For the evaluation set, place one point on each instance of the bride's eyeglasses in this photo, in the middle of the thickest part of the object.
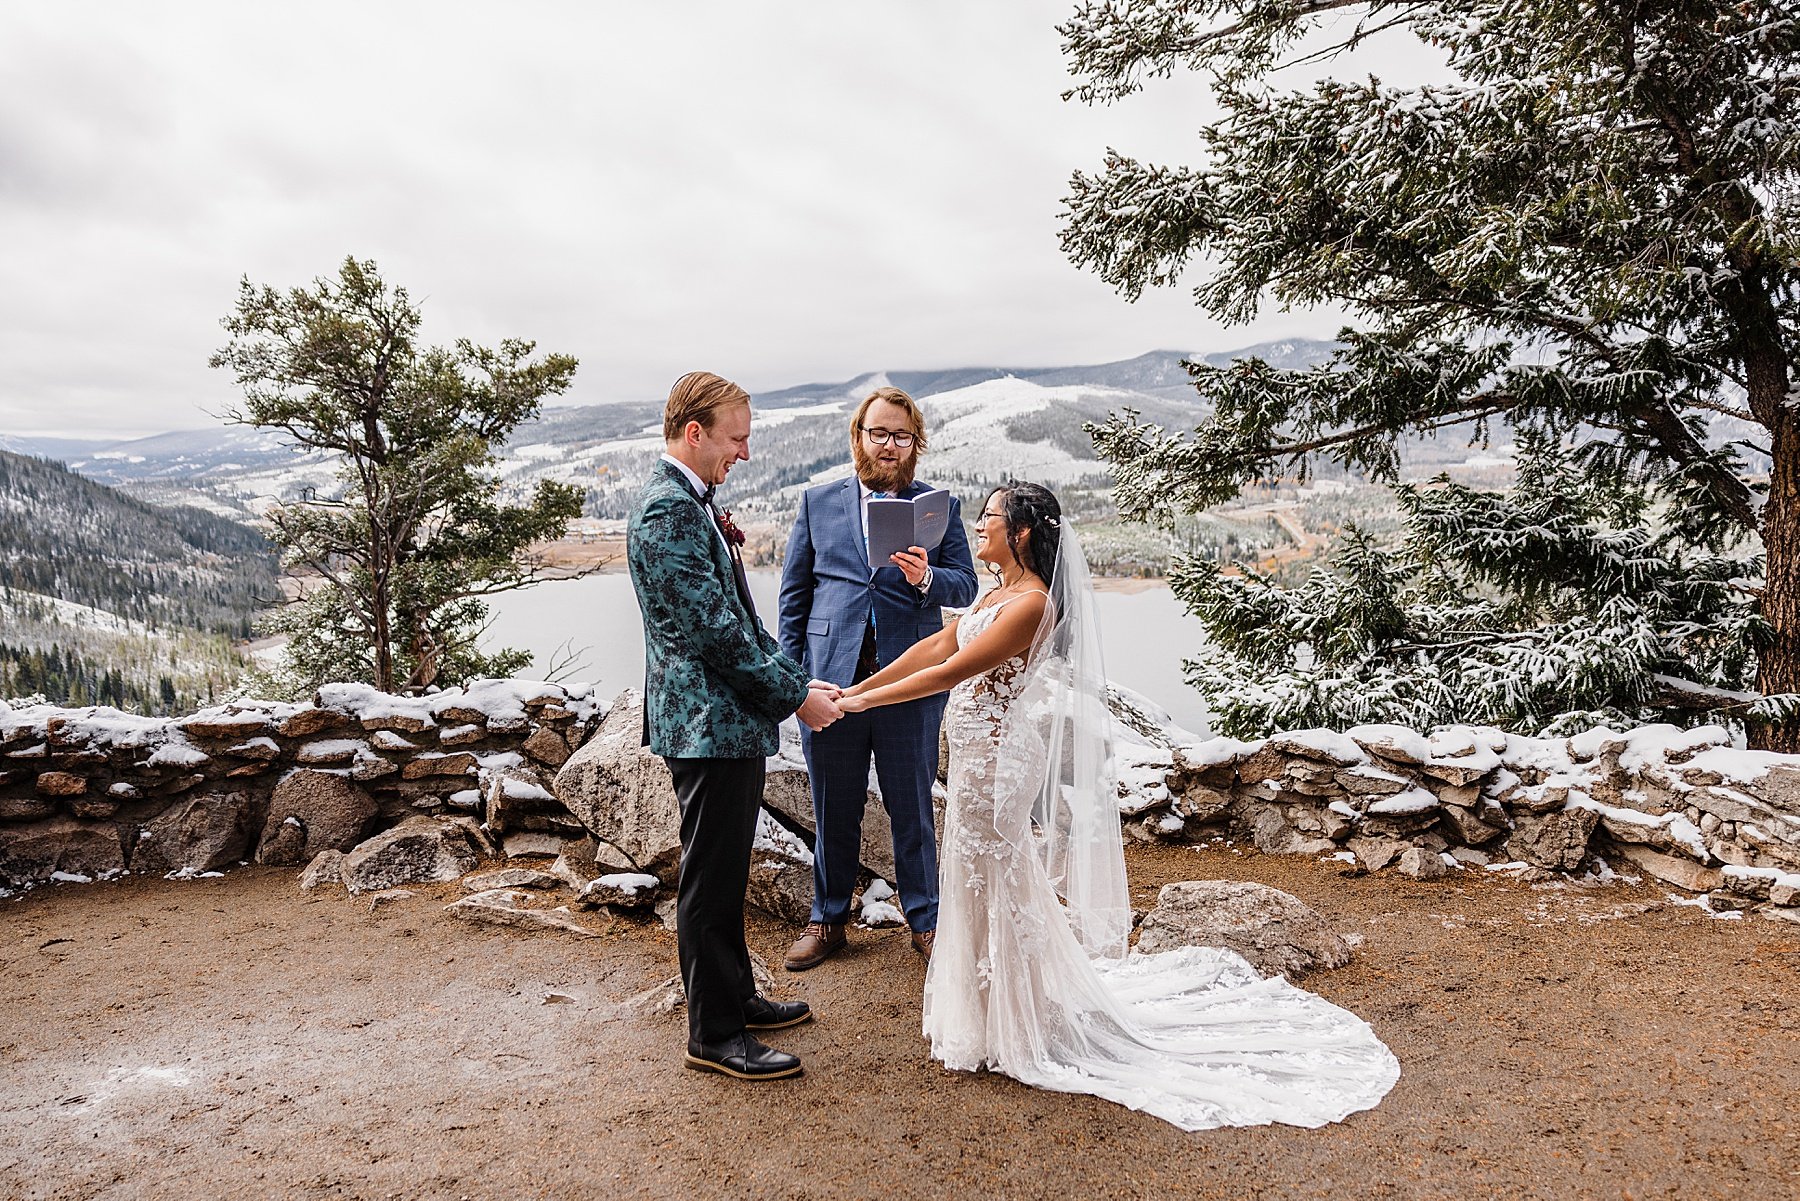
(881, 437)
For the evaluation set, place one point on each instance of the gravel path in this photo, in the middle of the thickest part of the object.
(235, 1036)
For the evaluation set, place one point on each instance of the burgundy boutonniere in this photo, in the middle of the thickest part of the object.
(733, 536)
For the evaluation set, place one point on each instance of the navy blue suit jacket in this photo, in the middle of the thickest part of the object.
(827, 591)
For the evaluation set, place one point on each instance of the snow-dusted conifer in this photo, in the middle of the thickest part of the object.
(1590, 236)
(1535, 611)
(398, 562)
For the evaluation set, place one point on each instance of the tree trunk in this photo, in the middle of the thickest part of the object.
(381, 569)
(1778, 663)
(1748, 301)
(384, 641)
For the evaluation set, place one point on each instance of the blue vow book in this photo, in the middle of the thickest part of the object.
(896, 523)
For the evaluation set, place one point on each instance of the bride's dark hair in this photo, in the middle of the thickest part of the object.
(1026, 506)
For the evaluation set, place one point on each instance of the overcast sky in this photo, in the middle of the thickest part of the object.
(780, 192)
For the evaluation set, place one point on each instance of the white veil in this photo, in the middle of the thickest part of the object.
(1056, 761)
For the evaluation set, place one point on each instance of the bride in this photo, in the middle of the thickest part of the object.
(1030, 974)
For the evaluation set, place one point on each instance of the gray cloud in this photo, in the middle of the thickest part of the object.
(778, 192)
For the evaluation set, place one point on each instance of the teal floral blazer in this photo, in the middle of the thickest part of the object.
(716, 685)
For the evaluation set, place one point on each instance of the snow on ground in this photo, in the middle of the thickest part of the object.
(969, 435)
(765, 418)
(629, 883)
(650, 439)
(85, 616)
(772, 836)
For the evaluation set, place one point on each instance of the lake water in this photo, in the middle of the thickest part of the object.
(1146, 634)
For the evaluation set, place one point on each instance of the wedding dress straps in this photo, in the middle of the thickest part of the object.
(1193, 1036)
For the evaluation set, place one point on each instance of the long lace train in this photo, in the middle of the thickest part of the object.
(1193, 1036)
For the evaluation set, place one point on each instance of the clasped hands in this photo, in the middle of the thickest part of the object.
(825, 703)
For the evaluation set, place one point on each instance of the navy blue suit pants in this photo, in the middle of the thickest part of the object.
(903, 742)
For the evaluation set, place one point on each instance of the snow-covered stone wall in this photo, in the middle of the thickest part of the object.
(1683, 806)
(90, 793)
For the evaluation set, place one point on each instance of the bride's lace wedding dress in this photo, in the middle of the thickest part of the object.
(1193, 1036)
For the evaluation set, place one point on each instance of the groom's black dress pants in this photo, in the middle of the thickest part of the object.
(719, 801)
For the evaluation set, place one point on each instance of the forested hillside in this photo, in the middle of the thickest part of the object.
(65, 536)
(107, 600)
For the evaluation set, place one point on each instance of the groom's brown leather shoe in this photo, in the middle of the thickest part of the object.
(821, 941)
(743, 1058)
(922, 940)
(760, 1013)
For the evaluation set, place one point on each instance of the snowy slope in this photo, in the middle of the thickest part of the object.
(988, 424)
(971, 439)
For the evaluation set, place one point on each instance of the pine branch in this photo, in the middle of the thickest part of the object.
(1478, 407)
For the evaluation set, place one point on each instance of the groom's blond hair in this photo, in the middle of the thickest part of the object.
(699, 396)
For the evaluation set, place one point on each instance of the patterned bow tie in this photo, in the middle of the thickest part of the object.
(706, 497)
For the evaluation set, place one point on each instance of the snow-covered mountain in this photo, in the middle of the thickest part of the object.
(65, 536)
(988, 424)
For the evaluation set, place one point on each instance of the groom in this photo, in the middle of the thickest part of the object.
(846, 623)
(715, 690)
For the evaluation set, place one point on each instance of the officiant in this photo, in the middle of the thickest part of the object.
(844, 621)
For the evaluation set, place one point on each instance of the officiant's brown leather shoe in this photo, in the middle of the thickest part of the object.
(821, 941)
(922, 940)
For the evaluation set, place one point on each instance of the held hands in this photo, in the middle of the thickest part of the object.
(912, 563)
(819, 709)
(827, 687)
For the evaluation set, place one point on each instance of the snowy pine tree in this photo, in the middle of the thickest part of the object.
(1547, 609)
(1589, 238)
(420, 534)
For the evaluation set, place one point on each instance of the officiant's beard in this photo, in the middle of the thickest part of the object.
(879, 476)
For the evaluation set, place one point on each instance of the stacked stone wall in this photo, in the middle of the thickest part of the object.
(89, 793)
(1682, 806)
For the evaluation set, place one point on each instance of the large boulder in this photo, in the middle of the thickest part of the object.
(584, 860)
(1423, 863)
(622, 793)
(420, 850)
(1276, 931)
(1556, 840)
(1674, 869)
(33, 853)
(205, 834)
(310, 812)
(510, 877)
(781, 873)
(326, 868)
(787, 793)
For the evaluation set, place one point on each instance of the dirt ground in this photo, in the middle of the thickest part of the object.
(238, 1037)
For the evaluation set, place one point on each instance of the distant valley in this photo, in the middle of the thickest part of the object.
(149, 551)
(108, 599)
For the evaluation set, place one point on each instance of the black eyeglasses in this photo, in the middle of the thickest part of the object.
(881, 437)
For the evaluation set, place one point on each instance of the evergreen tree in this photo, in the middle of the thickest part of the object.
(419, 533)
(1588, 236)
